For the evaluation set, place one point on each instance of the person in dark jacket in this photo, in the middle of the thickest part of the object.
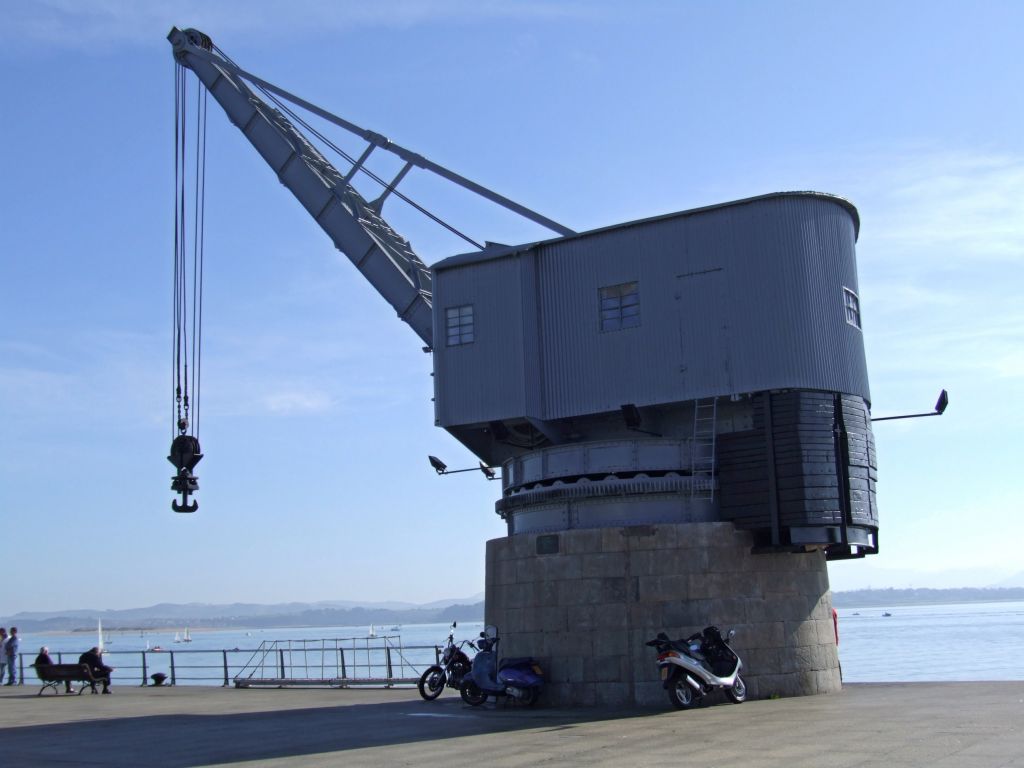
(99, 670)
(11, 649)
(44, 660)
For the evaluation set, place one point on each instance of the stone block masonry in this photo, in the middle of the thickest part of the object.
(586, 607)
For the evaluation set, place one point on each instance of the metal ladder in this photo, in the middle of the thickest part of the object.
(702, 449)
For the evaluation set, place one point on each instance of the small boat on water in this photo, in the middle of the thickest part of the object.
(887, 614)
(372, 632)
(187, 638)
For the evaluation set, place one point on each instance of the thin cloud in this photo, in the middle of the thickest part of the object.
(946, 207)
(85, 24)
(298, 401)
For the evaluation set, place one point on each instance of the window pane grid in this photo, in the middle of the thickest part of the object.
(620, 306)
(459, 324)
(852, 307)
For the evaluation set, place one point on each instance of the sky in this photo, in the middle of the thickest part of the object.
(316, 417)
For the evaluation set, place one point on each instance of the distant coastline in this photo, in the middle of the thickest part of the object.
(199, 617)
(867, 598)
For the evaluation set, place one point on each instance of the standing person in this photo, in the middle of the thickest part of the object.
(3, 654)
(835, 626)
(99, 670)
(11, 649)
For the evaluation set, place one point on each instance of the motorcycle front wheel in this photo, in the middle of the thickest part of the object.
(431, 683)
(471, 693)
(457, 673)
(681, 693)
(738, 692)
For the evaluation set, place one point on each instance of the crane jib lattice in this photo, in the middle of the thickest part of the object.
(354, 224)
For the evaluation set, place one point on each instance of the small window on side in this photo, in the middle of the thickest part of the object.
(459, 325)
(852, 307)
(620, 306)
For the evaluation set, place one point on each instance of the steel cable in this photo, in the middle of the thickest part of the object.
(281, 106)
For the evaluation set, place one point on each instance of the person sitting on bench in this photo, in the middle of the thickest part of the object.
(100, 671)
(44, 660)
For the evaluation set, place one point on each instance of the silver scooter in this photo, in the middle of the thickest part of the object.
(698, 665)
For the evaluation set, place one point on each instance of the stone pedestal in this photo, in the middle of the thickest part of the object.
(584, 602)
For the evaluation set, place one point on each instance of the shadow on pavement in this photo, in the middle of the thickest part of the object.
(179, 740)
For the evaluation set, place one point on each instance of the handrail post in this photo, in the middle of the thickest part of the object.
(344, 672)
(280, 661)
(225, 668)
(145, 677)
(174, 680)
(387, 659)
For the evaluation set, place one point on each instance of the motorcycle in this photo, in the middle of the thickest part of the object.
(702, 663)
(520, 679)
(452, 669)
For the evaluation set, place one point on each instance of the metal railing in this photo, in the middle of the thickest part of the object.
(381, 661)
(340, 662)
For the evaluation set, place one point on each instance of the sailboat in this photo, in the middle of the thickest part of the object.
(177, 637)
(373, 632)
(187, 638)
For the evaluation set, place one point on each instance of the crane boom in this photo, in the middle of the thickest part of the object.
(383, 256)
(356, 226)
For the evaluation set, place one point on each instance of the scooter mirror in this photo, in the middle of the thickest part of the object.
(732, 634)
(490, 632)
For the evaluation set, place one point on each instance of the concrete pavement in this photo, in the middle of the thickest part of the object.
(897, 726)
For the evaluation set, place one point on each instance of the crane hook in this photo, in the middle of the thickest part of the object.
(186, 486)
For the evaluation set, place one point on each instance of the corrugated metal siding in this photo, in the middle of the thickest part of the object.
(484, 380)
(588, 370)
(790, 324)
(733, 299)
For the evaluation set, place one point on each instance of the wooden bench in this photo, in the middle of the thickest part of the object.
(54, 674)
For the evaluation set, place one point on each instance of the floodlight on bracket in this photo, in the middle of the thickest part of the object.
(940, 408)
(631, 415)
(442, 469)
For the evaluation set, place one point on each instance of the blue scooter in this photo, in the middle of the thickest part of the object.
(520, 679)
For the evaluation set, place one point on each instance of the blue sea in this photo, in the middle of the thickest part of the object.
(965, 641)
(968, 641)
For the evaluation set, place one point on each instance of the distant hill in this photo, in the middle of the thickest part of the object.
(1017, 580)
(343, 613)
(251, 615)
(863, 598)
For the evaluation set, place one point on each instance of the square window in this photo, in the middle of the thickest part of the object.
(852, 307)
(459, 325)
(620, 306)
